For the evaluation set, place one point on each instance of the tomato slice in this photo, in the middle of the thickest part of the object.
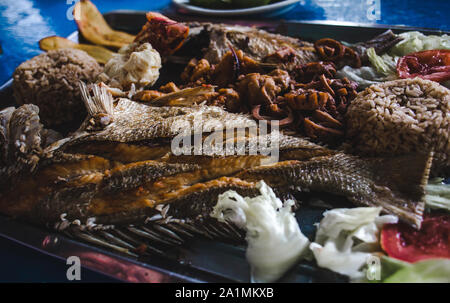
(403, 242)
(431, 65)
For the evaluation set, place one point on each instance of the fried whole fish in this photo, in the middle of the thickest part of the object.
(120, 169)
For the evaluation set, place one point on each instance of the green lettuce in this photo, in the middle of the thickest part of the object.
(416, 41)
(437, 194)
(427, 271)
(385, 64)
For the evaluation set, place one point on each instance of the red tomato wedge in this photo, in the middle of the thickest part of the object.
(403, 242)
(431, 65)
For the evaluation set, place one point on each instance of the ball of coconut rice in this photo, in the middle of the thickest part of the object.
(399, 117)
(50, 81)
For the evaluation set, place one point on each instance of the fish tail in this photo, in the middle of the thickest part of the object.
(408, 174)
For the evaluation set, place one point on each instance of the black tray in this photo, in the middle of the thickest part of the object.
(200, 260)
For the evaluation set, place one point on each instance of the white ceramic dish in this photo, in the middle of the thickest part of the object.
(270, 9)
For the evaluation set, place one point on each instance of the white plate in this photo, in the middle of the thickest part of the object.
(272, 9)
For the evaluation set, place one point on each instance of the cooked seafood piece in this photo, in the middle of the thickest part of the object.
(216, 40)
(64, 185)
(396, 184)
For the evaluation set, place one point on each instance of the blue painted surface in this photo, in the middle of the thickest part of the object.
(24, 22)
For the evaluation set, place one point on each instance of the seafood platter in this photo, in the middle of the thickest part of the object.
(161, 149)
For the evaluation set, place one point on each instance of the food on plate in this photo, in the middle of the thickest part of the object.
(275, 242)
(215, 41)
(437, 194)
(347, 238)
(122, 180)
(232, 145)
(308, 99)
(407, 244)
(427, 271)
(431, 65)
(95, 29)
(334, 51)
(50, 81)
(164, 34)
(383, 63)
(134, 64)
(101, 54)
(399, 117)
(354, 178)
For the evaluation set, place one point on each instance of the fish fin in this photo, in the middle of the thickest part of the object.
(408, 173)
(99, 105)
(407, 176)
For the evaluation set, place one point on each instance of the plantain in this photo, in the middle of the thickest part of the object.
(99, 53)
(94, 28)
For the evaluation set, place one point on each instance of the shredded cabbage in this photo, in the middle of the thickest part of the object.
(275, 242)
(364, 76)
(416, 41)
(385, 64)
(347, 237)
(437, 194)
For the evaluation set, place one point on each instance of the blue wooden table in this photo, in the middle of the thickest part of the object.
(24, 22)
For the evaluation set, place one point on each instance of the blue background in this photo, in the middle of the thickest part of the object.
(24, 22)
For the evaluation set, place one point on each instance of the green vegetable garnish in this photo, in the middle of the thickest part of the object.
(428, 271)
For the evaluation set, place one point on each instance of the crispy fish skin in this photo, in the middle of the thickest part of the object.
(52, 175)
(134, 122)
(88, 186)
(396, 184)
(77, 198)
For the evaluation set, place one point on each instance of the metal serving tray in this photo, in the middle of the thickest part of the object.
(200, 260)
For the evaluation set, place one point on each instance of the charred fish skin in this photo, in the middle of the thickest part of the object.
(396, 184)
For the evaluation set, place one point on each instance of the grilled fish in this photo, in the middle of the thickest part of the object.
(119, 169)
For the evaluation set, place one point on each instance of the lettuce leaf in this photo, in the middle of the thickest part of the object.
(427, 271)
(437, 194)
(385, 64)
(416, 41)
(275, 241)
(347, 237)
